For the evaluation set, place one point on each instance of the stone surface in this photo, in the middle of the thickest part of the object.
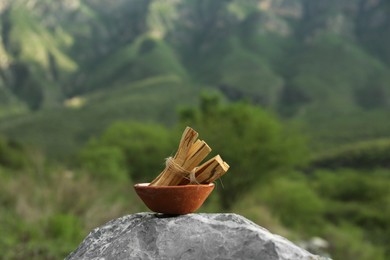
(192, 236)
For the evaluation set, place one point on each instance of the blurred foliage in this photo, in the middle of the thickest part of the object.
(315, 81)
(136, 60)
(12, 154)
(250, 132)
(360, 199)
(368, 154)
(154, 99)
(348, 208)
(294, 202)
(348, 242)
(105, 162)
(133, 148)
(68, 73)
(330, 133)
(45, 215)
(45, 209)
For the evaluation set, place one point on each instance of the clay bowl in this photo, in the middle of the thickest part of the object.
(174, 200)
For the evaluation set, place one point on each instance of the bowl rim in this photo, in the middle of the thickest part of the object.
(145, 185)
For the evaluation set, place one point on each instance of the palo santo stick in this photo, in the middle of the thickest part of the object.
(189, 154)
(211, 170)
(187, 139)
(181, 169)
(198, 152)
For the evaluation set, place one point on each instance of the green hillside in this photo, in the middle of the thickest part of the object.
(278, 56)
(281, 56)
(37, 62)
(62, 131)
(294, 94)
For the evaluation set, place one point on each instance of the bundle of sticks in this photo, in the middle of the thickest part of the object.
(183, 168)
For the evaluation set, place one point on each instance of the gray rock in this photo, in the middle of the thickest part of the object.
(192, 236)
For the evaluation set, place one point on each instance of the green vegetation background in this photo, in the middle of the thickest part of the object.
(294, 95)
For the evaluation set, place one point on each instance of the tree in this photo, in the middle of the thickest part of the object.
(138, 148)
(249, 139)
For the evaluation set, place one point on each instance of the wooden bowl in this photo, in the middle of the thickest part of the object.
(174, 200)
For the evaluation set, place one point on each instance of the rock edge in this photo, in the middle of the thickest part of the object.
(192, 236)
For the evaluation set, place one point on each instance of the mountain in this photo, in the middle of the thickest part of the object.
(84, 60)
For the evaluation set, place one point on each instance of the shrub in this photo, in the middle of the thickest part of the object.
(137, 148)
(359, 198)
(248, 138)
(295, 203)
(65, 227)
(348, 242)
(11, 154)
(104, 162)
(367, 155)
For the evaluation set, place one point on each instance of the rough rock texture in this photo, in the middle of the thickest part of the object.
(192, 236)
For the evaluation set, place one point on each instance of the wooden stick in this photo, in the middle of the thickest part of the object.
(186, 158)
(181, 169)
(187, 140)
(198, 152)
(211, 170)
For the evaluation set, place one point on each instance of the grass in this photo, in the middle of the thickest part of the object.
(46, 213)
